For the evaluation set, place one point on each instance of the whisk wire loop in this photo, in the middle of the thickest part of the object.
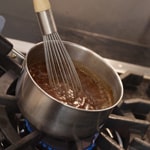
(61, 70)
(59, 65)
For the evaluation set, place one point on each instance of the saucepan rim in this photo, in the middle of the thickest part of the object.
(69, 106)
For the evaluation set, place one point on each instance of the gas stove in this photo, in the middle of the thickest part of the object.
(127, 128)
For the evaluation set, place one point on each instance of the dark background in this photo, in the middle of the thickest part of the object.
(115, 29)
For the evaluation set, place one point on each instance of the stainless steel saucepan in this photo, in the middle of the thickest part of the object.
(51, 116)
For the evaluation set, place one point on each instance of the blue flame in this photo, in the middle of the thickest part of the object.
(93, 144)
(28, 126)
(42, 143)
(48, 147)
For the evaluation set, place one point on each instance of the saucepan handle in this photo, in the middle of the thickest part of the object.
(6, 47)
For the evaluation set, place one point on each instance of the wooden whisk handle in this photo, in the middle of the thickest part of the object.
(41, 5)
(45, 17)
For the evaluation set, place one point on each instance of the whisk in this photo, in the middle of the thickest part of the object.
(60, 68)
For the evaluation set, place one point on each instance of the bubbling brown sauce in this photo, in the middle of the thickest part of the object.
(96, 93)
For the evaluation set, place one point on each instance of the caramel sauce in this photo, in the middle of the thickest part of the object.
(96, 93)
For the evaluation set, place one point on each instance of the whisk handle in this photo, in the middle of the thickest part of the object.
(45, 16)
(41, 5)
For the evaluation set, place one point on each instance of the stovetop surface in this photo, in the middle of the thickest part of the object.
(130, 120)
(119, 65)
(105, 46)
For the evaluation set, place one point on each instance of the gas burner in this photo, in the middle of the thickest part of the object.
(24, 128)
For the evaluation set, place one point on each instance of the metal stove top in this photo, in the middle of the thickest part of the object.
(119, 66)
(127, 128)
